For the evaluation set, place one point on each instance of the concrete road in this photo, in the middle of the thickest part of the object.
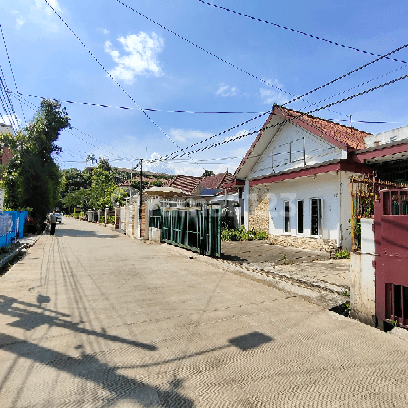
(90, 318)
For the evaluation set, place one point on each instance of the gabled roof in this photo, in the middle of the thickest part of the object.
(193, 185)
(213, 182)
(339, 135)
(185, 183)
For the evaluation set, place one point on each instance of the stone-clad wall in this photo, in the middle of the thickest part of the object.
(314, 244)
(258, 217)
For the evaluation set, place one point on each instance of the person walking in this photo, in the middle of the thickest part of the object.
(53, 222)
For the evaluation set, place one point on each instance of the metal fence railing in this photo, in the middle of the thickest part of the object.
(198, 229)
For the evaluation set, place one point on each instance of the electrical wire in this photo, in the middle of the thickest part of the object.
(110, 76)
(298, 31)
(33, 106)
(358, 86)
(129, 108)
(8, 105)
(303, 114)
(11, 69)
(301, 96)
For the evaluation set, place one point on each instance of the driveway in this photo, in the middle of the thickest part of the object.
(91, 318)
(293, 262)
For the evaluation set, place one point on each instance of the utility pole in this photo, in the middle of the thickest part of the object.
(140, 197)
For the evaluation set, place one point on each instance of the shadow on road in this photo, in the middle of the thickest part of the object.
(31, 319)
(89, 368)
(82, 234)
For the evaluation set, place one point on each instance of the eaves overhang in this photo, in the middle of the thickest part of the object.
(313, 170)
(381, 153)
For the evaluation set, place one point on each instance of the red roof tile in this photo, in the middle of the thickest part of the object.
(185, 183)
(193, 185)
(348, 135)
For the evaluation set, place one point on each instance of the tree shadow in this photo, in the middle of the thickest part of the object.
(89, 368)
(31, 319)
(59, 232)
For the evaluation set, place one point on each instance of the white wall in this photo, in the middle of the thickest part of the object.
(290, 138)
(387, 137)
(246, 204)
(324, 186)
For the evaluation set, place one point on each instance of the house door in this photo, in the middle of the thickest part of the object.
(391, 247)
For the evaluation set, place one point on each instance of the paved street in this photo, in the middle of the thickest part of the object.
(91, 318)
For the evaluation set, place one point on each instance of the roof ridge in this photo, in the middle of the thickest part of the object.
(322, 119)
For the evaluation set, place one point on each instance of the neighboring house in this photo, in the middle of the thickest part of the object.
(387, 154)
(295, 179)
(201, 187)
(6, 154)
(391, 136)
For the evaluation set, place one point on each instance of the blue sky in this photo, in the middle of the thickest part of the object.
(156, 69)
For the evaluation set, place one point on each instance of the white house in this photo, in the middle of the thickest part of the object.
(295, 178)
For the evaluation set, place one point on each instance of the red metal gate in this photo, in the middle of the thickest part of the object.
(391, 247)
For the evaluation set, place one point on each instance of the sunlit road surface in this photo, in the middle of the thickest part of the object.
(91, 318)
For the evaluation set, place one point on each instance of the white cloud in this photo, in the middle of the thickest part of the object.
(43, 6)
(19, 19)
(182, 135)
(236, 136)
(103, 30)
(19, 22)
(270, 96)
(142, 51)
(226, 90)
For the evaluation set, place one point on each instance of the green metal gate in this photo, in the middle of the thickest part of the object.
(198, 229)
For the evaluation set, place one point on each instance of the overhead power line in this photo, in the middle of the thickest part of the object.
(299, 32)
(111, 77)
(130, 108)
(11, 69)
(6, 102)
(35, 108)
(299, 97)
(289, 120)
(202, 49)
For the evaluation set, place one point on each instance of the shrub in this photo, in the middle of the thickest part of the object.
(342, 254)
(241, 234)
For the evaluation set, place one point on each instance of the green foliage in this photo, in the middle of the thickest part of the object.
(136, 185)
(77, 197)
(241, 234)
(207, 173)
(32, 179)
(157, 183)
(103, 190)
(110, 219)
(342, 254)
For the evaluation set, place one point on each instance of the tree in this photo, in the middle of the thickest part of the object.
(208, 173)
(32, 179)
(73, 181)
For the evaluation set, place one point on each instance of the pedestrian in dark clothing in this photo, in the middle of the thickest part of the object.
(53, 222)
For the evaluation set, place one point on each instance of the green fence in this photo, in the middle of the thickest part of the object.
(198, 229)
